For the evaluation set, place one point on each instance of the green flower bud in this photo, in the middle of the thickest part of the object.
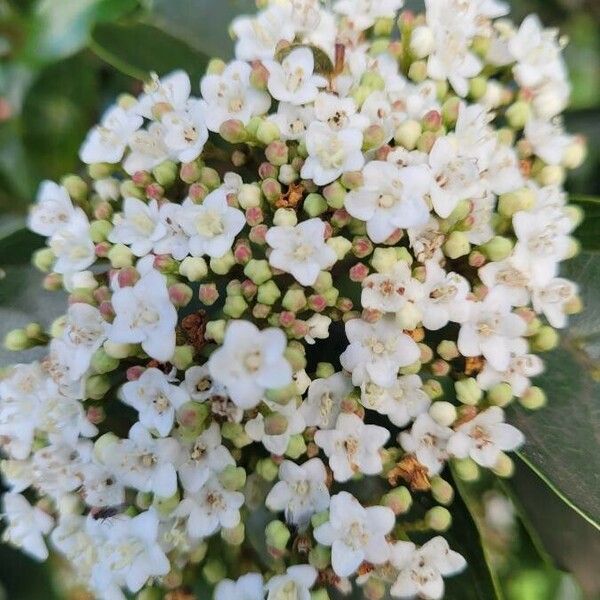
(319, 518)
(96, 387)
(324, 370)
(500, 395)
(120, 256)
(340, 245)
(232, 478)
(268, 293)
(18, 340)
(193, 268)
(235, 306)
(468, 391)
(384, 27)
(384, 259)
(314, 205)
(224, 264)
(118, 351)
(199, 553)
(215, 66)
(450, 111)
(373, 80)
(277, 535)
(319, 557)
(295, 356)
(399, 500)
(335, 194)
(234, 131)
(234, 432)
(76, 187)
(296, 447)
(408, 134)
(433, 389)
(165, 506)
(277, 153)
(324, 282)
(417, 72)
(478, 87)
(103, 363)
(267, 132)
(100, 170)
(551, 175)
(128, 188)
(457, 245)
(518, 114)
(210, 178)
(534, 398)
(444, 413)
(192, 417)
(498, 248)
(575, 154)
(214, 570)
(43, 260)
(104, 445)
(166, 173)
(282, 395)
(466, 469)
(360, 94)
(234, 536)
(513, 202)
(285, 217)
(331, 296)
(505, 467)
(215, 330)
(258, 271)
(352, 180)
(448, 350)
(149, 594)
(374, 137)
(438, 518)
(294, 300)
(99, 231)
(183, 357)
(249, 196)
(546, 339)
(442, 491)
(267, 469)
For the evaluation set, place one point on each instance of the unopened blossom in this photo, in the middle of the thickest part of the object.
(421, 570)
(294, 583)
(210, 508)
(144, 314)
(301, 250)
(324, 400)
(352, 447)
(377, 351)
(485, 437)
(247, 587)
(53, 209)
(355, 533)
(156, 399)
(138, 226)
(300, 492)
(390, 199)
(427, 440)
(250, 362)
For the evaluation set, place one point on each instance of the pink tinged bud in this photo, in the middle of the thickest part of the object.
(127, 277)
(180, 294)
(155, 191)
(249, 289)
(107, 311)
(297, 164)
(394, 238)
(101, 294)
(254, 216)
(242, 252)
(258, 234)
(396, 49)
(141, 178)
(261, 311)
(233, 131)
(101, 250)
(271, 188)
(166, 264)
(317, 303)
(300, 329)
(287, 318)
(277, 153)
(134, 373)
(527, 314)
(480, 292)
(382, 153)
(440, 368)
(477, 259)
(362, 246)
(95, 415)
(197, 192)
(344, 304)
(340, 218)
(432, 121)
(359, 272)
(208, 293)
(190, 172)
(53, 282)
(239, 158)
(259, 75)
(268, 171)
(352, 180)
(328, 230)
(103, 211)
(370, 315)
(406, 19)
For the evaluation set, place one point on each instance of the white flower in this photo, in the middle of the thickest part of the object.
(427, 441)
(155, 399)
(301, 250)
(444, 297)
(324, 400)
(339, 112)
(490, 331)
(148, 149)
(107, 141)
(100, 487)
(294, 80)
(72, 245)
(258, 36)
(143, 462)
(508, 278)
(548, 140)
(230, 96)
(186, 132)
(171, 92)
(364, 13)
(421, 569)
(377, 351)
(484, 437)
(401, 402)
(144, 314)
(210, 508)
(391, 198)
(205, 456)
(355, 533)
(247, 587)
(292, 121)
(294, 583)
(129, 554)
(318, 328)
(331, 153)
(454, 177)
(552, 300)
(200, 385)
(52, 210)
(26, 526)
(175, 240)
(301, 491)
(249, 362)
(389, 292)
(352, 447)
(212, 225)
(138, 226)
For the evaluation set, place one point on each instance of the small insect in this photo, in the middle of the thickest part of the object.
(106, 512)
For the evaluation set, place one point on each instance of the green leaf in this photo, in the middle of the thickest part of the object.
(562, 438)
(138, 49)
(201, 23)
(588, 233)
(61, 27)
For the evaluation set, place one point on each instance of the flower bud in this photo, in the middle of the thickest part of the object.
(249, 196)
(234, 536)
(314, 205)
(99, 231)
(277, 536)
(352, 180)
(468, 391)
(409, 316)
(232, 478)
(259, 76)
(120, 256)
(399, 500)
(285, 217)
(518, 114)
(340, 245)
(575, 154)
(180, 295)
(190, 172)
(267, 469)
(478, 87)
(534, 398)
(438, 518)
(384, 259)
(102, 363)
(18, 340)
(448, 350)
(505, 467)
(546, 339)
(442, 491)
(76, 187)
(513, 202)
(417, 71)
(271, 188)
(294, 300)
(258, 271)
(214, 571)
(408, 133)
(319, 557)
(215, 330)
(296, 447)
(183, 357)
(433, 389)
(457, 245)
(215, 66)
(277, 153)
(551, 175)
(193, 268)
(97, 386)
(233, 131)
(335, 194)
(118, 351)
(166, 173)
(421, 42)
(374, 137)
(466, 469)
(235, 306)
(500, 395)
(295, 355)
(222, 265)
(267, 133)
(498, 248)
(444, 413)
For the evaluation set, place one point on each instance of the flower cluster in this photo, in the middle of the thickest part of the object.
(337, 264)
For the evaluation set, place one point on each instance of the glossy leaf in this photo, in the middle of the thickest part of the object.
(562, 439)
(139, 49)
(588, 233)
(201, 23)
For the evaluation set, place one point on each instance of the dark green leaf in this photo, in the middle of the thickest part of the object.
(139, 49)
(588, 233)
(562, 439)
(201, 23)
